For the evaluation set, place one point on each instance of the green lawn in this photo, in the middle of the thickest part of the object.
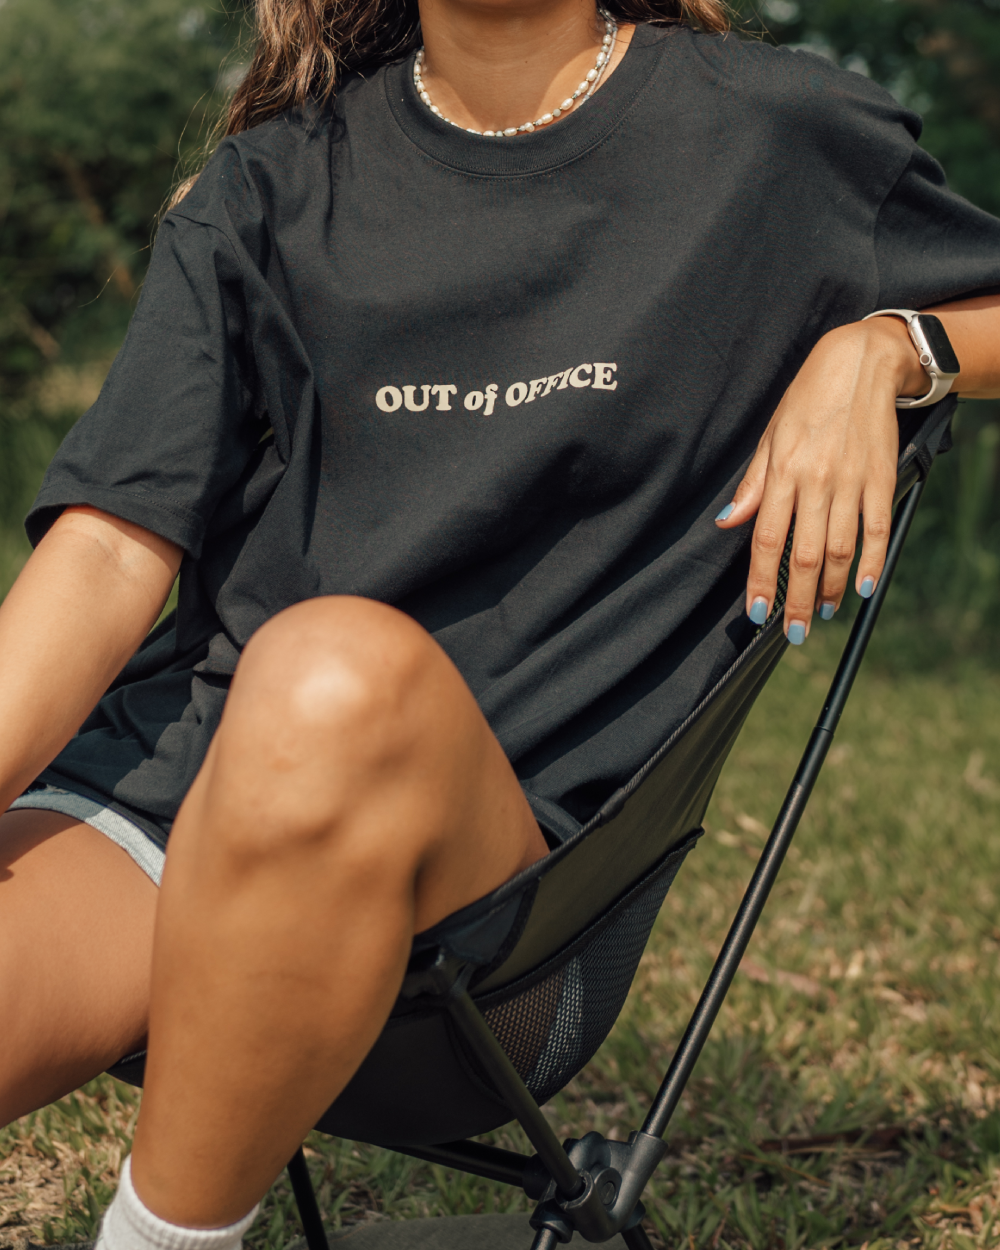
(851, 1090)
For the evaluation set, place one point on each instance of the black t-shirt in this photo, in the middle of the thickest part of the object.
(502, 384)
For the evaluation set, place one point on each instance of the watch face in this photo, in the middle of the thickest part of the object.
(940, 344)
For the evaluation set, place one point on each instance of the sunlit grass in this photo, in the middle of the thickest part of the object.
(868, 1002)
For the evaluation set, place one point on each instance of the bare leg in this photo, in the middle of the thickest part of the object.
(353, 795)
(76, 941)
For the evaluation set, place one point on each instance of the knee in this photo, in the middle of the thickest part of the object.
(327, 709)
(335, 667)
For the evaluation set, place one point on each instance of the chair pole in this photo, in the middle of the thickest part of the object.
(474, 1159)
(545, 1239)
(471, 1024)
(636, 1238)
(305, 1200)
(738, 938)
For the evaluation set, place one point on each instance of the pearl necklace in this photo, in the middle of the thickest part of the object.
(586, 89)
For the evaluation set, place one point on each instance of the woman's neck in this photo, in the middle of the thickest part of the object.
(499, 63)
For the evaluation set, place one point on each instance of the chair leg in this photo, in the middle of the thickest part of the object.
(305, 1200)
(636, 1239)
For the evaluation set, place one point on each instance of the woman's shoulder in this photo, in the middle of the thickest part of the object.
(247, 175)
(795, 86)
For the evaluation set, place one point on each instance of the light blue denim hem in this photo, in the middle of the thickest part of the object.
(133, 841)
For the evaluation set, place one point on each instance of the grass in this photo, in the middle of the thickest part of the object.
(850, 1093)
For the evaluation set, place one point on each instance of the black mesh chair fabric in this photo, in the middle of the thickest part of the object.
(565, 939)
(552, 1021)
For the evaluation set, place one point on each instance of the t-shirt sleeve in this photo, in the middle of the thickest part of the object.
(930, 244)
(174, 425)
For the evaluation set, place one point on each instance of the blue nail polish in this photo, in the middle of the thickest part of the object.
(796, 633)
(726, 512)
(758, 611)
(826, 611)
(867, 588)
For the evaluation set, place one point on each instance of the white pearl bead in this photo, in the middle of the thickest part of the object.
(591, 75)
(488, 134)
(510, 130)
(557, 112)
(567, 104)
(435, 110)
(546, 118)
(529, 127)
(606, 40)
(425, 97)
(583, 86)
(600, 60)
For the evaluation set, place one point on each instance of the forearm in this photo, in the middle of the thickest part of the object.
(83, 603)
(829, 454)
(973, 325)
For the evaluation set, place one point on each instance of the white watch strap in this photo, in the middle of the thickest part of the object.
(906, 313)
(941, 384)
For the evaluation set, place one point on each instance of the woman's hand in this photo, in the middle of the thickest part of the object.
(828, 455)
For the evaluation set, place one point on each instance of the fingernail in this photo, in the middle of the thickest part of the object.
(758, 611)
(796, 633)
(826, 611)
(726, 512)
(867, 588)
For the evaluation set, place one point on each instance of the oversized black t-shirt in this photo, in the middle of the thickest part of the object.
(502, 384)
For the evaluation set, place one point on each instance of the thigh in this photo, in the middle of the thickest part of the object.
(76, 936)
(350, 739)
(353, 794)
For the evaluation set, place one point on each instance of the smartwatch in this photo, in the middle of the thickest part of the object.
(934, 348)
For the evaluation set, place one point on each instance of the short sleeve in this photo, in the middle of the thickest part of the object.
(173, 427)
(930, 244)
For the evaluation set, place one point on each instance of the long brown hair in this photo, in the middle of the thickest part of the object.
(305, 46)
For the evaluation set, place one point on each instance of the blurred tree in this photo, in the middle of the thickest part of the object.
(940, 58)
(98, 100)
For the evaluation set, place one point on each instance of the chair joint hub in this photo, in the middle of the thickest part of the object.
(614, 1175)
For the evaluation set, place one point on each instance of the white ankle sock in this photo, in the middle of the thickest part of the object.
(129, 1225)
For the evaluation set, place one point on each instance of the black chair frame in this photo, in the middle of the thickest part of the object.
(439, 1071)
(592, 1186)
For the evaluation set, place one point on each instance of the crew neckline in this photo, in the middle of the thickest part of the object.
(546, 149)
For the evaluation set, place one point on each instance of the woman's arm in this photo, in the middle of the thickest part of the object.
(830, 450)
(82, 604)
(973, 326)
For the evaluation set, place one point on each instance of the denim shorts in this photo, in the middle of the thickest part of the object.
(139, 845)
(556, 824)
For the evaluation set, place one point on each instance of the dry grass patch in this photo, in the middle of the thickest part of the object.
(59, 1167)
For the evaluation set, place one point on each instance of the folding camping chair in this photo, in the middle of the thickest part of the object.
(505, 1002)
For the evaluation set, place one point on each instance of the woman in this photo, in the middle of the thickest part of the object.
(434, 392)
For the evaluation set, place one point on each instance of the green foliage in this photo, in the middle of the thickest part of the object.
(101, 102)
(98, 101)
(941, 59)
(946, 594)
